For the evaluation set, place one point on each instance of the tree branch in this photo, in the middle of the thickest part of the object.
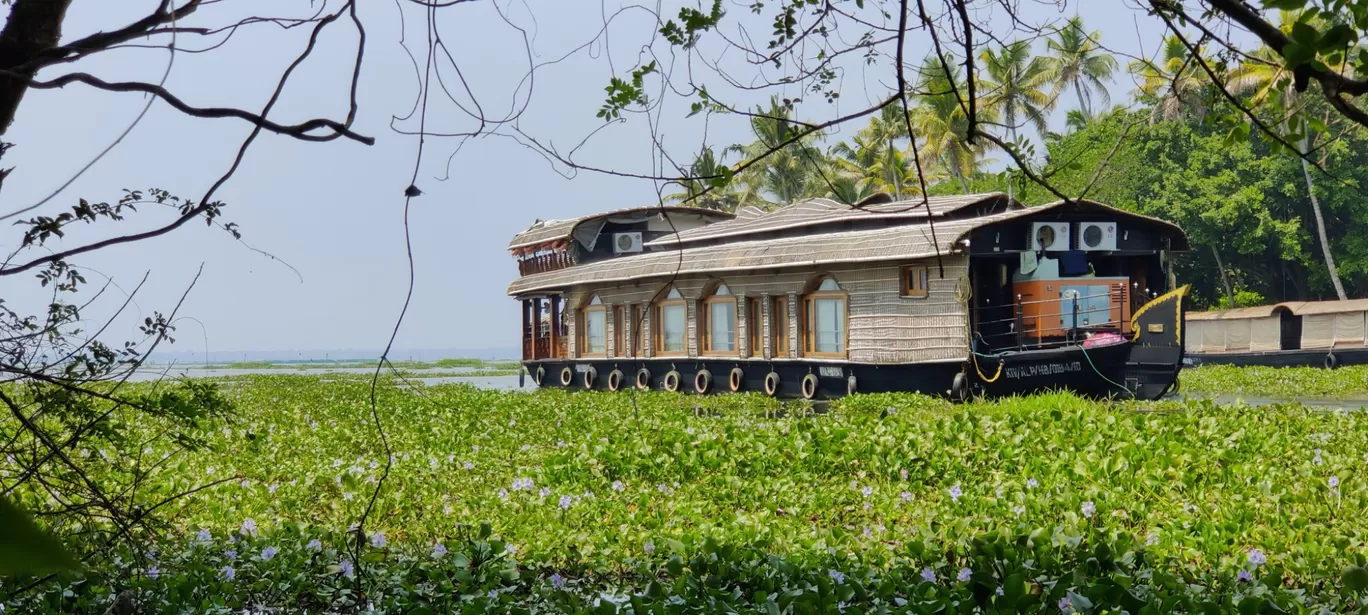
(298, 131)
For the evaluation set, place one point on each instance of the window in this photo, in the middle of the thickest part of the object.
(719, 321)
(669, 324)
(754, 327)
(618, 349)
(824, 320)
(914, 281)
(593, 328)
(780, 326)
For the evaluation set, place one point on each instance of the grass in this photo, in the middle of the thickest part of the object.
(607, 488)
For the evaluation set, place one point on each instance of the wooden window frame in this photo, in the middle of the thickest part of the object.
(583, 333)
(918, 287)
(705, 323)
(779, 327)
(754, 329)
(807, 332)
(618, 350)
(658, 326)
(638, 331)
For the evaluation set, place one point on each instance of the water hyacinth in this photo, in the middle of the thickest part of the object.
(249, 527)
(204, 536)
(565, 502)
(906, 496)
(439, 551)
(1088, 509)
(314, 545)
(836, 576)
(1032, 483)
(649, 547)
(867, 491)
(346, 569)
(964, 575)
(227, 573)
(1064, 603)
(268, 553)
(557, 581)
(378, 540)
(522, 484)
(928, 575)
(1257, 558)
(1243, 576)
(618, 486)
(545, 491)
(956, 492)
(1334, 483)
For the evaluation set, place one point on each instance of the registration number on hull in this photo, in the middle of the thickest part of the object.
(1041, 369)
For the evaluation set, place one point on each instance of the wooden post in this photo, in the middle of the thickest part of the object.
(529, 336)
(555, 324)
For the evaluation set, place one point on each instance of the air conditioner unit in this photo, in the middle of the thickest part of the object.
(1049, 236)
(626, 243)
(1094, 236)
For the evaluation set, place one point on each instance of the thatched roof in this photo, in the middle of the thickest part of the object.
(905, 242)
(1297, 308)
(826, 211)
(544, 231)
(1261, 311)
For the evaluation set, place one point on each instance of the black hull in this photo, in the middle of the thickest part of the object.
(1106, 371)
(1283, 358)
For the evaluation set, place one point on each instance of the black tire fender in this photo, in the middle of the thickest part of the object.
(615, 380)
(566, 376)
(539, 376)
(703, 381)
(643, 379)
(1331, 361)
(959, 388)
(735, 379)
(772, 384)
(671, 381)
(809, 386)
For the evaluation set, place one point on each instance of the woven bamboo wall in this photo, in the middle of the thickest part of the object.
(884, 326)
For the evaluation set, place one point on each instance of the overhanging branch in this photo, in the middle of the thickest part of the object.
(298, 131)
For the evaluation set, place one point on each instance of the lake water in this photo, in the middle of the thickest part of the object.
(448, 375)
(510, 383)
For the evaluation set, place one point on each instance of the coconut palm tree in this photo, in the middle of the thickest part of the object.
(941, 122)
(696, 190)
(1263, 77)
(1013, 86)
(1076, 60)
(874, 156)
(1175, 82)
(788, 173)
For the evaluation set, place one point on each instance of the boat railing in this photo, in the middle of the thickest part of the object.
(1024, 330)
(543, 263)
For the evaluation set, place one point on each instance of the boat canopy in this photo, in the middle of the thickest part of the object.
(1291, 325)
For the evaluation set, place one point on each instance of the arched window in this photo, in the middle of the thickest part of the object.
(824, 319)
(719, 321)
(669, 322)
(593, 330)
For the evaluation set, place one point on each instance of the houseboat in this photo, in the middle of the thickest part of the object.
(959, 296)
(1290, 334)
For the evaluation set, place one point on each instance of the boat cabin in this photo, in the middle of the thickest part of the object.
(1312, 333)
(813, 298)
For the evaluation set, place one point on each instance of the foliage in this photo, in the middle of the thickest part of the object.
(584, 482)
(1277, 382)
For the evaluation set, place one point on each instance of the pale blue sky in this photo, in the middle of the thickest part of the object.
(333, 210)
